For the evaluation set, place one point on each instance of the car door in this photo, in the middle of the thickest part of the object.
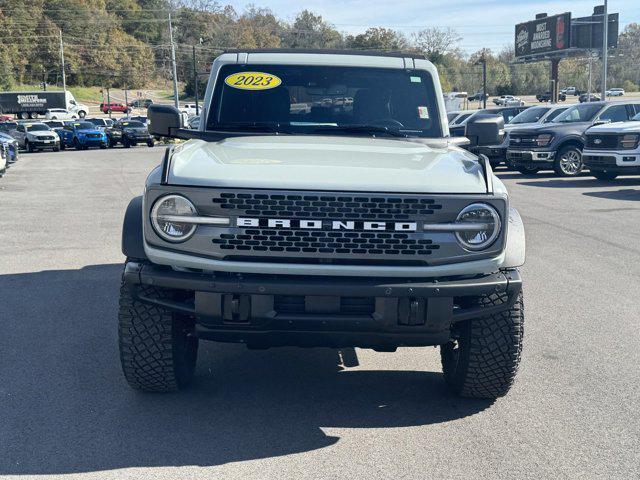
(20, 134)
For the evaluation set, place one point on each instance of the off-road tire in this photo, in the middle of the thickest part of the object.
(483, 360)
(605, 176)
(157, 349)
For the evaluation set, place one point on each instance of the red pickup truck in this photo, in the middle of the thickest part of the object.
(114, 107)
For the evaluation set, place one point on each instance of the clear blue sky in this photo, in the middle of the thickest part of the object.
(481, 23)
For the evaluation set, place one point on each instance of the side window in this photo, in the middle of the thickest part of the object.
(509, 114)
(615, 113)
(20, 128)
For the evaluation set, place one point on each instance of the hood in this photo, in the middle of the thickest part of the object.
(546, 127)
(90, 130)
(618, 127)
(42, 133)
(327, 163)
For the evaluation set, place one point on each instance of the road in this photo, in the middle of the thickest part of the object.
(66, 412)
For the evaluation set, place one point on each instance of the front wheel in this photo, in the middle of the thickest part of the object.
(125, 143)
(569, 162)
(602, 175)
(482, 359)
(28, 146)
(150, 143)
(158, 350)
(528, 170)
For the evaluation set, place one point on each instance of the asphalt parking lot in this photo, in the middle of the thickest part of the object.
(65, 409)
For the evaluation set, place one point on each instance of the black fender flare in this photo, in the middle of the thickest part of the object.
(132, 237)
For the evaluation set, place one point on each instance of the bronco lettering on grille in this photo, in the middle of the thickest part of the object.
(327, 224)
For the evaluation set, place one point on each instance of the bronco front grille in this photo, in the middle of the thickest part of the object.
(349, 228)
(338, 207)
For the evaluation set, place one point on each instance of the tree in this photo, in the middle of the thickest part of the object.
(378, 38)
(435, 42)
(311, 31)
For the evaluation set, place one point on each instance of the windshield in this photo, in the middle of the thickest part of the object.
(553, 114)
(579, 113)
(97, 121)
(451, 116)
(530, 115)
(37, 127)
(325, 99)
(84, 126)
(54, 124)
(462, 118)
(132, 125)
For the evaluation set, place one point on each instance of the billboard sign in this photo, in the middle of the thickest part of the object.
(586, 32)
(543, 35)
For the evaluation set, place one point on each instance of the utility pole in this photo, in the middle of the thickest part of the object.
(589, 82)
(605, 35)
(64, 77)
(484, 82)
(195, 80)
(173, 66)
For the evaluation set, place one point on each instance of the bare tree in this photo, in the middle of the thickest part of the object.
(435, 42)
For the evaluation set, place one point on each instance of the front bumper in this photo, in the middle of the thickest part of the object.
(45, 143)
(494, 152)
(621, 162)
(278, 310)
(529, 158)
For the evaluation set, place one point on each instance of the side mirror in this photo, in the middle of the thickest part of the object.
(163, 119)
(485, 129)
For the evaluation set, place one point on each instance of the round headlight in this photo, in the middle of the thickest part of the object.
(165, 218)
(479, 226)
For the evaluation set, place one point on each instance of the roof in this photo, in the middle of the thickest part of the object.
(369, 53)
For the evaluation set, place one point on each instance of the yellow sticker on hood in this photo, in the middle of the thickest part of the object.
(252, 81)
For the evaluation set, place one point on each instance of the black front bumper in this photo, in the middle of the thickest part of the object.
(270, 310)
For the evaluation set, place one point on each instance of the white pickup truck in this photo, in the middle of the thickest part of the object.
(613, 149)
(352, 224)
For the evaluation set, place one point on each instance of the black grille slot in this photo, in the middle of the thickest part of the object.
(295, 304)
(323, 206)
(602, 142)
(328, 242)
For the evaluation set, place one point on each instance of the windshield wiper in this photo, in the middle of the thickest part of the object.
(253, 126)
(357, 128)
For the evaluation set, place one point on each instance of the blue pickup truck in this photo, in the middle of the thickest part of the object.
(82, 135)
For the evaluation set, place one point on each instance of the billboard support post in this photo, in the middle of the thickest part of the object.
(555, 63)
(605, 38)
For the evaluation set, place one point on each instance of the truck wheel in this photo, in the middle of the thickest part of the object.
(150, 143)
(23, 115)
(602, 175)
(82, 114)
(33, 115)
(109, 111)
(482, 361)
(528, 170)
(569, 162)
(157, 349)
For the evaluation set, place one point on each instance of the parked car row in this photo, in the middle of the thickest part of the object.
(603, 137)
(56, 135)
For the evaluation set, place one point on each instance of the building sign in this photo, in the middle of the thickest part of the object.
(544, 35)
